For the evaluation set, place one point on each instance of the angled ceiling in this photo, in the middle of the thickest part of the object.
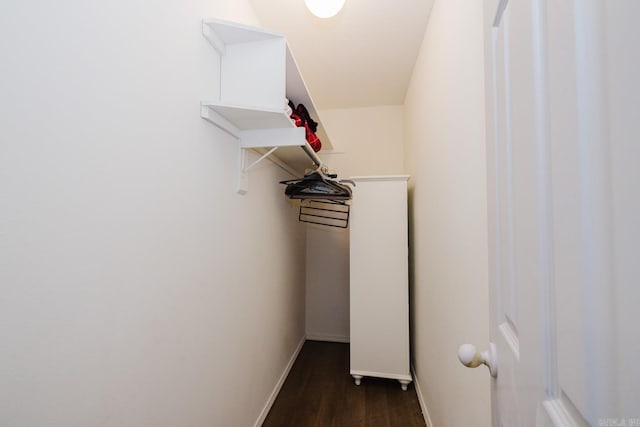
(362, 57)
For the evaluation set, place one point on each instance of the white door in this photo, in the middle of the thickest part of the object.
(563, 145)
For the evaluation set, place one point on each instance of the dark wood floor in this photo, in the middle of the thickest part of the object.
(320, 392)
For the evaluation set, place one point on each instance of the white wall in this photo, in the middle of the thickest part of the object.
(327, 284)
(445, 154)
(136, 288)
(367, 141)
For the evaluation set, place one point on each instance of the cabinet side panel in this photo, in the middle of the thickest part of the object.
(378, 278)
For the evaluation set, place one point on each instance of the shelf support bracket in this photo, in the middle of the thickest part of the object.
(264, 156)
(243, 176)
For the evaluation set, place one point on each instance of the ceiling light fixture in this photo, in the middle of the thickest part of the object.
(324, 8)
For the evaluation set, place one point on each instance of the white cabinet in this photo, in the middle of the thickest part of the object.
(257, 73)
(379, 290)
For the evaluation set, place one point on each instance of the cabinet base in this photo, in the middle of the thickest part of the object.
(404, 380)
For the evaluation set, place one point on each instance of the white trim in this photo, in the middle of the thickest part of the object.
(423, 405)
(511, 337)
(596, 191)
(328, 337)
(560, 413)
(545, 208)
(276, 390)
(382, 375)
(381, 178)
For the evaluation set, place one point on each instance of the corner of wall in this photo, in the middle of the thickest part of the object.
(444, 117)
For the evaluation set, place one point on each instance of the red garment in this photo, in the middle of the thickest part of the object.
(297, 120)
(301, 119)
(312, 138)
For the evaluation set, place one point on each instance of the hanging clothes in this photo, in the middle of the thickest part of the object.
(317, 185)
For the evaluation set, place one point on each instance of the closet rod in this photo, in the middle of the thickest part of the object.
(312, 154)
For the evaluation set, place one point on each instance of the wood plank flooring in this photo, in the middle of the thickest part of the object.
(320, 392)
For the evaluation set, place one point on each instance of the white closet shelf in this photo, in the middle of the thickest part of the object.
(221, 33)
(257, 73)
(263, 128)
(234, 119)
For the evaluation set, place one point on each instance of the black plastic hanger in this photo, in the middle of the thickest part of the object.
(318, 185)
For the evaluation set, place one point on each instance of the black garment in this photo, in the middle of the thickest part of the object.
(317, 186)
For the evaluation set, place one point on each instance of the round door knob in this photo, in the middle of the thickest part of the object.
(470, 357)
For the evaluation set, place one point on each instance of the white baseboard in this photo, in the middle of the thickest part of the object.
(276, 390)
(327, 337)
(423, 405)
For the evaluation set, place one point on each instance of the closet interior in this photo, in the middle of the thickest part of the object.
(261, 91)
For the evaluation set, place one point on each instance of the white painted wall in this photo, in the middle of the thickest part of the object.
(445, 154)
(136, 288)
(327, 284)
(367, 141)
